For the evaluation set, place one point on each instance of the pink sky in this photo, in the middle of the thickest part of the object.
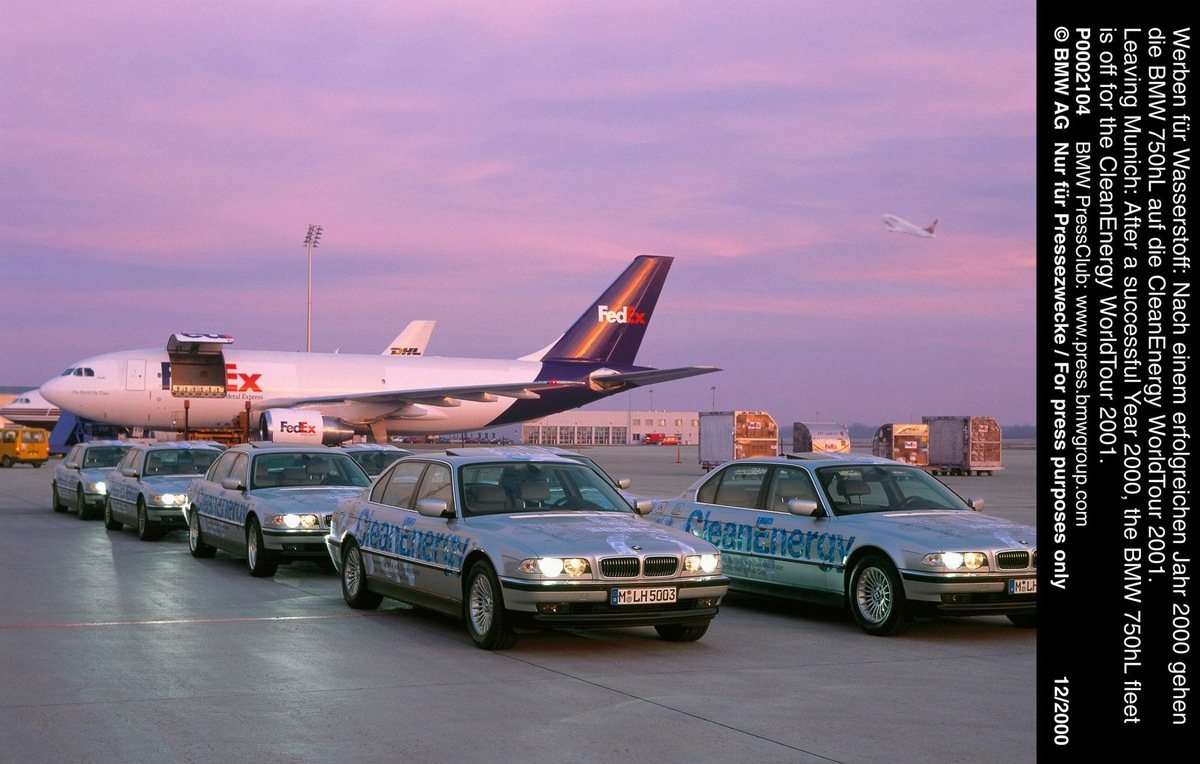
(493, 166)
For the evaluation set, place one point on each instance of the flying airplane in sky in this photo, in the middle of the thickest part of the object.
(32, 410)
(900, 225)
(329, 397)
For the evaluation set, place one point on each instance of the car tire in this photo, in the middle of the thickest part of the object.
(483, 609)
(8, 462)
(1024, 620)
(262, 561)
(81, 507)
(196, 544)
(354, 580)
(145, 529)
(876, 597)
(678, 632)
(110, 522)
(54, 500)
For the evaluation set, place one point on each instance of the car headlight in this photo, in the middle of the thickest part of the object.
(702, 563)
(955, 560)
(97, 487)
(552, 567)
(168, 499)
(296, 521)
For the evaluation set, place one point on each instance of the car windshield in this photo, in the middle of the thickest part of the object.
(518, 487)
(306, 469)
(860, 488)
(179, 462)
(374, 462)
(103, 456)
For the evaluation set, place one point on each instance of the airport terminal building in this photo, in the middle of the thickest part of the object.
(611, 428)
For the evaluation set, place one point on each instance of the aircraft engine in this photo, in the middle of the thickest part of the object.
(302, 426)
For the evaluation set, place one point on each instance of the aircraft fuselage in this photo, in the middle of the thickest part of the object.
(141, 388)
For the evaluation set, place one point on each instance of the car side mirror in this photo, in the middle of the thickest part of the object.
(642, 506)
(233, 484)
(804, 508)
(975, 503)
(434, 508)
(623, 483)
(129, 472)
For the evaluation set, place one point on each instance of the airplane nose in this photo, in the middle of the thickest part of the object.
(54, 391)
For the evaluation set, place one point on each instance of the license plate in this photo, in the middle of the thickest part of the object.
(1022, 586)
(643, 596)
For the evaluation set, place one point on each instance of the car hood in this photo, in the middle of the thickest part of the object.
(168, 483)
(952, 528)
(310, 498)
(597, 533)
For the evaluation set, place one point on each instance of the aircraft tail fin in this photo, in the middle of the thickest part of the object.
(412, 340)
(611, 331)
(932, 226)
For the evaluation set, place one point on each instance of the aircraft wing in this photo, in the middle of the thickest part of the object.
(433, 396)
(647, 377)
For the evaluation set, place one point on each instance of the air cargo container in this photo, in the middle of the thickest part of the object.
(902, 442)
(829, 437)
(726, 435)
(963, 445)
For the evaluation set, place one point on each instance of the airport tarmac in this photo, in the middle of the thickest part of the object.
(118, 650)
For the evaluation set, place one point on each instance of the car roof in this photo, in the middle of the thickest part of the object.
(372, 447)
(843, 458)
(490, 456)
(121, 443)
(819, 459)
(511, 451)
(180, 445)
(270, 445)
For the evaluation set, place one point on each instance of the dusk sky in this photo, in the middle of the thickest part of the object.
(494, 165)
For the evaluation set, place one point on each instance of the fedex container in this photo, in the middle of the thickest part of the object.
(902, 442)
(726, 435)
(963, 445)
(828, 437)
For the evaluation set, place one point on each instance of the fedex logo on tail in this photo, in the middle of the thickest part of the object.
(625, 315)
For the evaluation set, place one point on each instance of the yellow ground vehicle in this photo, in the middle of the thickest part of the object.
(24, 444)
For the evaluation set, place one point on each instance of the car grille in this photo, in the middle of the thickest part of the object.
(661, 566)
(620, 567)
(632, 567)
(1014, 560)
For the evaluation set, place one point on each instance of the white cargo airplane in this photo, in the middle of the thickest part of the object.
(328, 397)
(900, 225)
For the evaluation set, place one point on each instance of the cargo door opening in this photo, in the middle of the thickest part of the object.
(197, 365)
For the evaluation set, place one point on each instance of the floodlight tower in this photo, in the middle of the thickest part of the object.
(310, 241)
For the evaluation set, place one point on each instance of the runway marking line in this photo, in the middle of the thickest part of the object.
(169, 622)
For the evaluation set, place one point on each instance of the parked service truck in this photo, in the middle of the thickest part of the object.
(828, 437)
(963, 445)
(902, 442)
(726, 435)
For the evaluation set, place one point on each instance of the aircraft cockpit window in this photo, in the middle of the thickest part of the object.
(83, 371)
(67, 373)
